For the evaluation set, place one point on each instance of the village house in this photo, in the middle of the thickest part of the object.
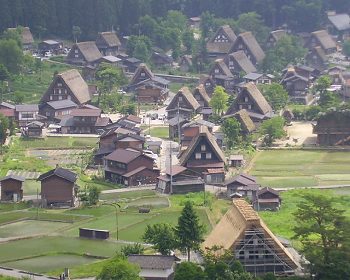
(333, 128)
(204, 156)
(58, 187)
(148, 87)
(243, 232)
(8, 110)
(84, 53)
(155, 267)
(201, 96)
(236, 161)
(209, 84)
(222, 75)
(175, 124)
(12, 188)
(108, 43)
(194, 22)
(52, 46)
(183, 105)
(274, 37)
(56, 110)
(83, 121)
(247, 42)
(339, 25)
(323, 39)
(33, 129)
(221, 43)
(112, 60)
(131, 64)
(267, 199)
(239, 64)
(185, 63)
(26, 113)
(27, 39)
(242, 186)
(251, 99)
(316, 58)
(130, 140)
(297, 83)
(130, 167)
(68, 85)
(160, 59)
(258, 78)
(191, 129)
(179, 180)
(206, 113)
(247, 124)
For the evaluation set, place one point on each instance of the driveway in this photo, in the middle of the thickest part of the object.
(298, 134)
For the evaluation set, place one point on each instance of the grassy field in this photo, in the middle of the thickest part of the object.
(160, 131)
(277, 221)
(59, 142)
(301, 168)
(34, 85)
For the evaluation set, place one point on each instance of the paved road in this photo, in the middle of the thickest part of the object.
(20, 274)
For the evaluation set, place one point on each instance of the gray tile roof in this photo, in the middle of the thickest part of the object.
(27, 108)
(61, 104)
(60, 172)
(341, 21)
(153, 261)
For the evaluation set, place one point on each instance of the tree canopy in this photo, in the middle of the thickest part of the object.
(119, 268)
(232, 131)
(162, 236)
(275, 95)
(219, 100)
(272, 129)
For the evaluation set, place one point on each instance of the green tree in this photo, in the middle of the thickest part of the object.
(272, 129)
(324, 232)
(130, 249)
(4, 126)
(189, 271)
(189, 232)
(346, 48)
(17, 97)
(119, 269)
(188, 40)
(14, 34)
(139, 47)
(162, 236)
(252, 21)
(206, 23)
(219, 100)
(275, 95)
(327, 99)
(11, 56)
(93, 194)
(76, 32)
(231, 128)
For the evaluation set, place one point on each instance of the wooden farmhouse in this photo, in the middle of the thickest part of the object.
(108, 43)
(179, 180)
(148, 87)
(267, 199)
(251, 99)
(183, 104)
(204, 156)
(339, 24)
(239, 64)
(243, 232)
(222, 75)
(33, 129)
(175, 125)
(258, 78)
(26, 113)
(323, 39)
(201, 95)
(274, 37)
(316, 58)
(191, 129)
(247, 124)
(58, 187)
(130, 167)
(56, 110)
(242, 185)
(84, 53)
(333, 128)
(221, 43)
(52, 46)
(209, 84)
(247, 42)
(8, 110)
(155, 267)
(12, 188)
(27, 39)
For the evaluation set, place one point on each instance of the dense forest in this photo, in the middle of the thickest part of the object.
(57, 17)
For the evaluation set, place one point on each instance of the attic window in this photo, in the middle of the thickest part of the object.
(198, 155)
(59, 84)
(207, 84)
(142, 74)
(216, 71)
(246, 99)
(76, 51)
(203, 148)
(208, 155)
(180, 98)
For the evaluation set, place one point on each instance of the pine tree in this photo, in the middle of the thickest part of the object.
(189, 232)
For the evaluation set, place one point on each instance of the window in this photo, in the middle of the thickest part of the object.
(216, 71)
(27, 115)
(203, 148)
(76, 56)
(208, 155)
(60, 98)
(51, 97)
(76, 51)
(198, 156)
(240, 107)
(249, 106)
(59, 91)
(59, 84)
(180, 98)
(246, 99)
(142, 74)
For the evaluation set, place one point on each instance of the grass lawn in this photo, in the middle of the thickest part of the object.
(59, 142)
(282, 222)
(33, 86)
(158, 131)
(29, 228)
(301, 168)
(127, 195)
(48, 263)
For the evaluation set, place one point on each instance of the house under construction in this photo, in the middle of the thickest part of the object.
(253, 244)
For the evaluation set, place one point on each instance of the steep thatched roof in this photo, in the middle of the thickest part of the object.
(252, 44)
(202, 92)
(26, 35)
(187, 94)
(143, 68)
(220, 64)
(203, 132)
(109, 38)
(215, 46)
(89, 50)
(278, 34)
(246, 122)
(243, 61)
(324, 39)
(231, 228)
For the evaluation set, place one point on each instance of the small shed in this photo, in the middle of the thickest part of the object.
(236, 160)
(11, 188)
(267, 199)
(34, 129)
(154, 146)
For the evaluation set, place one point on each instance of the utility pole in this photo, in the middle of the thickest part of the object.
(171, 169)
(178, 121)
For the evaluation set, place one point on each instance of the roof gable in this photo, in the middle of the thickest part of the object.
(248, 40)
(142, 73)
(88, 50)
(109, 39)
(220, 68)
(324, 39)
(241, 59)
(222, 40)
(187, 95)
(59, 172)
(200, 90)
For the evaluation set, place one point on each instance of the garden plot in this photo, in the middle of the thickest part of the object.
(61, 157)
